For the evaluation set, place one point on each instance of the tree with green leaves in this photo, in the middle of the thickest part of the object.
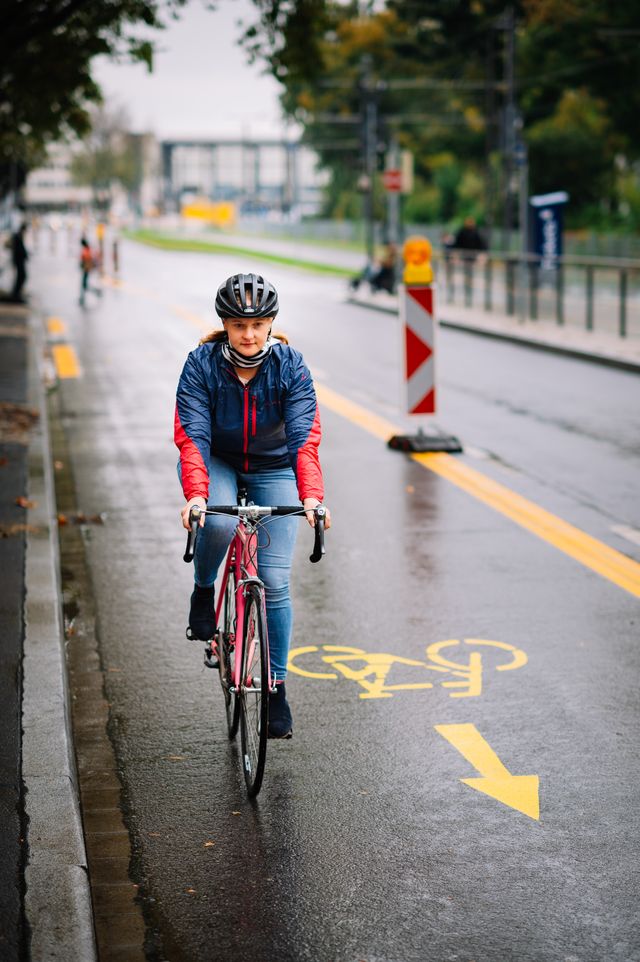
(46, 87)
(444, 77)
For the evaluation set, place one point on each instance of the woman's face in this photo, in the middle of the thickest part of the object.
(248, 335)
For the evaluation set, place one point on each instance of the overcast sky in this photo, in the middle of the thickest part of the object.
(201, 84)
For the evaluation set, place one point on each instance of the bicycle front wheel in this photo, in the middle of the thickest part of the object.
(254, 691)
(226, 655)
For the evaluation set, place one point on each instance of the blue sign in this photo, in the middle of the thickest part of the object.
(546, 227)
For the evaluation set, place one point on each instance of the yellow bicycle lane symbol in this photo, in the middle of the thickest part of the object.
(371, 670)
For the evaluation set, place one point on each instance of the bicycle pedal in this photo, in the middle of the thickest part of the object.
(210, 658)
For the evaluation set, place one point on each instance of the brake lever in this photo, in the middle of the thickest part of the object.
(194, 519)
(318, 543)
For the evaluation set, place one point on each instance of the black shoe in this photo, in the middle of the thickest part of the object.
(202, 616)
(280, 720)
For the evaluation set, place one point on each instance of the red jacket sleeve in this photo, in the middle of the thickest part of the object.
(192, 429)
(303, 431)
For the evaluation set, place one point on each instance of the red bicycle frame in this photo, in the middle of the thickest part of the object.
(240, 559)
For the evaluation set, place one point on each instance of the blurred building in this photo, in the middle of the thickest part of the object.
(51, 186)
(259, 175)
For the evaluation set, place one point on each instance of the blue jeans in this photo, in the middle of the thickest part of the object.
(276, 541)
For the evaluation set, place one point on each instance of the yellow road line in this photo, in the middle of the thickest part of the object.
(55, 325)
(196, 319)
(65, 360)
(355, 413)
(593, 554)
(136, 289)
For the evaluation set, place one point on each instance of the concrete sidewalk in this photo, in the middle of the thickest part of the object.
(45, 903)
(567, 339)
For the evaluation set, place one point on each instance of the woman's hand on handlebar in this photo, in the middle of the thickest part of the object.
(309, 504)
(193, 503)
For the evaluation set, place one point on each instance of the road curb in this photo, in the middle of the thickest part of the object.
(513, 337)
(57, 894)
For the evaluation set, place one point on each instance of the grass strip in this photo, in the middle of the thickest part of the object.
(210, 247)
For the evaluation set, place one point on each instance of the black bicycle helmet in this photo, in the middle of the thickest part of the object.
(232, 300)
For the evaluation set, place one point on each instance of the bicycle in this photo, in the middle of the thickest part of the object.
(240, 648)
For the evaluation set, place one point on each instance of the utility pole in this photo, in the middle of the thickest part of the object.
(370, 139)
(515, 159)
(393, 196)
(508, 23)
(522, 162)
(490, 136)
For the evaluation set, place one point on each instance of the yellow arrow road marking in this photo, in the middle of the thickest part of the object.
(65, 360)
(516, 791)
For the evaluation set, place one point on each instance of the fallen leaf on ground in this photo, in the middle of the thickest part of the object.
(15, 422)
(190, 891)
(81, 518)
(10, 530)
(209, 844)
(175, 758)
(154, 834)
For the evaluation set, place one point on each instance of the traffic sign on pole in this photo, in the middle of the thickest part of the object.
(392, 180)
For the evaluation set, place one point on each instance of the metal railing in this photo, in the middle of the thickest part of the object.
(596, 294)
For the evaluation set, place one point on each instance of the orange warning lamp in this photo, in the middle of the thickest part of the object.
(417, 259)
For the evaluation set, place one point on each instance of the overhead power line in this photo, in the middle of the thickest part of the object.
(413, 83)
(448, 120)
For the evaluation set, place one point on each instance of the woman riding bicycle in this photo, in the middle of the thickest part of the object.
(247, 415)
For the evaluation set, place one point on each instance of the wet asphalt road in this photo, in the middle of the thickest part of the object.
(364, 843)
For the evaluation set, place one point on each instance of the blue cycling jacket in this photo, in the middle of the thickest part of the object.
(272, 422)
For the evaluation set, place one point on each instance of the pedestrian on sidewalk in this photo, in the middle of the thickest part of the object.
(19, 258)
(382, 275)
(87, 264)
(468, 239)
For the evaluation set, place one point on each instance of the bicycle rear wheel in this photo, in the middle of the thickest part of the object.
(226, 655)
(254, 692)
